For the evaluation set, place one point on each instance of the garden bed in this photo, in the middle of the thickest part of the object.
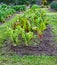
(46, 46)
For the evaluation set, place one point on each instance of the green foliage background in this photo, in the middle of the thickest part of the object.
(19, 1)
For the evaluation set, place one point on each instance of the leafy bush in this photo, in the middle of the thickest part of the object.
(54, 5)
(19, 7)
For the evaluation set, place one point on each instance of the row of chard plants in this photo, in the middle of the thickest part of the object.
(29, 25)
(6, 10)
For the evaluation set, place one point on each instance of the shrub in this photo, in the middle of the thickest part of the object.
(53, 5)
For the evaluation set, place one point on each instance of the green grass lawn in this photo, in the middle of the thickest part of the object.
(54, 23)
(28, 60)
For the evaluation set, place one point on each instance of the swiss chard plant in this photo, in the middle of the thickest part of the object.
(31, 21)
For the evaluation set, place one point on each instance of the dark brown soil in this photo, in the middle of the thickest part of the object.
(46, 47)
